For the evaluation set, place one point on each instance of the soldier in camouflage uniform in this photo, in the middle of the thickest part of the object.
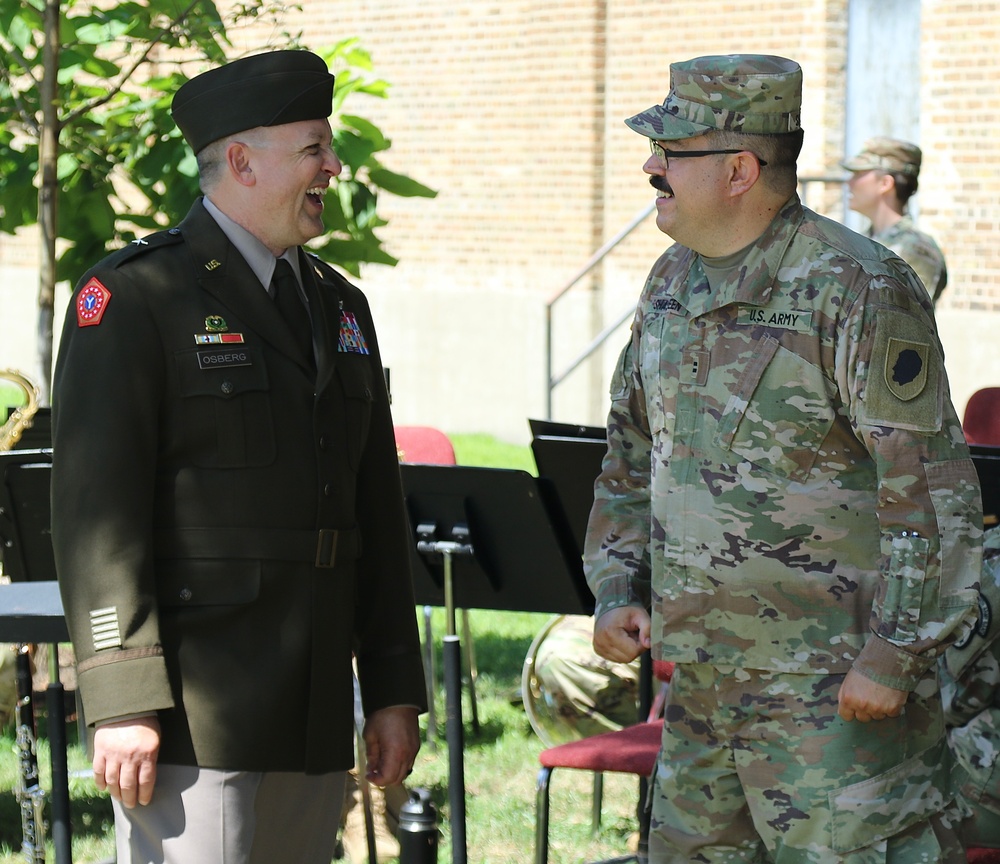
(970, 686)
(570, 692)
(883, 179)
(787, 509)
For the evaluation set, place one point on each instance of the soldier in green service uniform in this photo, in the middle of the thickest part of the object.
(787, 508)
(883, 179)
(227, 517)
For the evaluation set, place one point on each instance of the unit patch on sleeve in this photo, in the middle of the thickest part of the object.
(906, 368)
(91, 302)
(904, 375)
(351, 339)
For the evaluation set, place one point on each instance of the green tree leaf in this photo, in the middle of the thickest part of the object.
(123, 167)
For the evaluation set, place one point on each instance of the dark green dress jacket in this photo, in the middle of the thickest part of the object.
(228, 523)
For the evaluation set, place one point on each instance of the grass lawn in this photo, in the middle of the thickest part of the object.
(500, 760)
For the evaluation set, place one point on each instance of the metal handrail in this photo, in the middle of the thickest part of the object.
(553, 380)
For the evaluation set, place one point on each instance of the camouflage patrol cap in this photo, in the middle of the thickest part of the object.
(886, 154)
(262, 90)
(753, 93)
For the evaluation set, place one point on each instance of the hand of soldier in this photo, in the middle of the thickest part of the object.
(125, 759)
(862, 699)
(622, 634)
(392, 739)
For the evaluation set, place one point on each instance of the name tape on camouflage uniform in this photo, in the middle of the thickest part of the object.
(784, 319)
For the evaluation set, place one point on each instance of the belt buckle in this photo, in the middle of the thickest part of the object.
(326, 547)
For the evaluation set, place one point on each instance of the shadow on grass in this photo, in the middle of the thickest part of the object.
(498, 658)
(90, 816)
(499, 661)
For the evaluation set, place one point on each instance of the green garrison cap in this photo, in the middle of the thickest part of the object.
(753, 93)
(262, 90)
(886, 154)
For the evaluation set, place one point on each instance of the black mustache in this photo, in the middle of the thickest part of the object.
(660, 183)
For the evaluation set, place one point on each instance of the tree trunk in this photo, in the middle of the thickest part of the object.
(48, 196)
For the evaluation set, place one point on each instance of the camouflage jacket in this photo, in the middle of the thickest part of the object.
(919, 251)
(786, 485)
(970, 691)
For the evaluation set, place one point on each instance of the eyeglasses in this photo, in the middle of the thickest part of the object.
(664, 155)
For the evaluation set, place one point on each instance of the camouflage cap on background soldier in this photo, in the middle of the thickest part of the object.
(753, 93)
(886, 154)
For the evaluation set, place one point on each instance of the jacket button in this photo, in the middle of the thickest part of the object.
(328, 490)
(186, 594)
(227, 387)
(323, 443)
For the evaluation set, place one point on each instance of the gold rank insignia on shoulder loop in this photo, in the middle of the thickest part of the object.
(906, 368)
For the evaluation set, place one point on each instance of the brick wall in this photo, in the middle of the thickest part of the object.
(513, 110)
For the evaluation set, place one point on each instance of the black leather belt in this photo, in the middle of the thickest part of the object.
(321, 548)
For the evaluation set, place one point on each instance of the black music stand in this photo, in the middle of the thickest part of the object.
(987, 462)
(570, 456)
(486, 538)
(31, 608)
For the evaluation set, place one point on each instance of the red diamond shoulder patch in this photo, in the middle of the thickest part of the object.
(91, 302)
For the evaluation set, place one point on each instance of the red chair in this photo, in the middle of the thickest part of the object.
(981, 421)
(424, 445)
(631, 750)
(983, 856)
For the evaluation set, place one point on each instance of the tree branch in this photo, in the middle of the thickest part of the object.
(26, 115)
(107, 97)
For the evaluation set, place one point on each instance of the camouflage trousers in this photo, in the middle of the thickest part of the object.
(758, 767)
(974, 748)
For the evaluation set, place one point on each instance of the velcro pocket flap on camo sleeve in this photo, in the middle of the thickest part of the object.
(904, 595)
(875, 809)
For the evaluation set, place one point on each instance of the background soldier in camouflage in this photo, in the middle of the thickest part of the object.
(787, 509)
(569, 691)
(970, 685)
(883, 179)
